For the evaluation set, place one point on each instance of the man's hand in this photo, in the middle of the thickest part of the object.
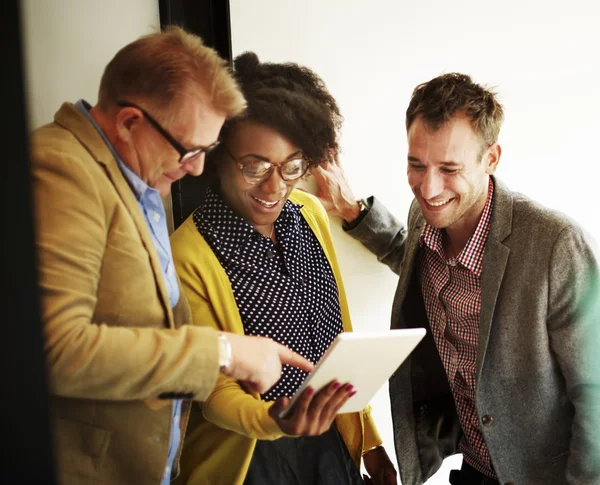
(380, 468)
(256, 361)
(334, 190)
(312, 414)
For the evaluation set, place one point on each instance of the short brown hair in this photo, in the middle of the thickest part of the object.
(448, 95)
(164, 67)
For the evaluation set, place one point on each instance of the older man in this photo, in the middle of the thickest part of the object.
(123, 364)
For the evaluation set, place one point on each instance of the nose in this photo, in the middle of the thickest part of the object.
(195, 167)
(432, 184)
(274, 184)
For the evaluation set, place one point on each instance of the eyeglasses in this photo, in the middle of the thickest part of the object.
(259, 171)
(185, 155)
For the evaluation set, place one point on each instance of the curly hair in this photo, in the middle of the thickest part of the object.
(445, 96)
(292, 100)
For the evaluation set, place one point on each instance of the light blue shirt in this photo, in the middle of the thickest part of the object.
(153, 209)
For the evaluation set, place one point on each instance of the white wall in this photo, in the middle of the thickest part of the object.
(67, 43)
(543, 59)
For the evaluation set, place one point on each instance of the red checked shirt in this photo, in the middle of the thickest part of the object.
(452, 293)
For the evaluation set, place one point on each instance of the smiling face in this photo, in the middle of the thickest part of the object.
(260, 204)
(448, 172)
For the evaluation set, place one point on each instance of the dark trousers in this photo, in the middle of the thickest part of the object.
(467, 475)
(307, 460)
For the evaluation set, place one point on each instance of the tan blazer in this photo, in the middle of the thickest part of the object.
(115, 351)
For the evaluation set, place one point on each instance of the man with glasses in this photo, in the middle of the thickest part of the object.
(498, 280)
(123, 362)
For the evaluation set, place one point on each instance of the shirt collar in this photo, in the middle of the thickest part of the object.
(138, 186)
(471, 257)
(216, 218)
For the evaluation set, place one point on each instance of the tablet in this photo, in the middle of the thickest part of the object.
(364, 359)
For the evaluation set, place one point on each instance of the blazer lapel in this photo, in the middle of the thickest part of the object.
(410, 256)
(494, 264)
(70, 118)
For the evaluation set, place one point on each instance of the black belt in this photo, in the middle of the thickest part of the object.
(467, 475)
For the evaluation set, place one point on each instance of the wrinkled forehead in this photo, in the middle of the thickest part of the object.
(195, 120)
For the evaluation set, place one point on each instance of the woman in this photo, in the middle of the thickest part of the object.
(257, 256)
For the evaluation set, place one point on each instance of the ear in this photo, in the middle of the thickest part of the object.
(492, 158)
(126, 121)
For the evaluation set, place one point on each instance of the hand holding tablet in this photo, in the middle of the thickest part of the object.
(313, 412)
(365, 360)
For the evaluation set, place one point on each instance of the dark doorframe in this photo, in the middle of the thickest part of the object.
(210, 20)
(24, 413)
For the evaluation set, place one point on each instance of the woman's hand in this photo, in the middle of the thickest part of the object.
(380, 468)
(334, 190)
(312, 414)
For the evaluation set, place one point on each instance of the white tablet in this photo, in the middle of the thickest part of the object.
(364, 359)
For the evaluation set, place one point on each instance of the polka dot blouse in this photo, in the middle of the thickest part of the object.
(286, 291)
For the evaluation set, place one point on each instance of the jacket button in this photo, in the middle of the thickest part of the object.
(487, 420)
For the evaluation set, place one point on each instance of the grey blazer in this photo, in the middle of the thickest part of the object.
(531, 374)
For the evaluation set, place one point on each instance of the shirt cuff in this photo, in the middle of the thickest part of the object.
(348, 226)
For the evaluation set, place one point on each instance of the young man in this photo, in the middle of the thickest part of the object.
(497, 281)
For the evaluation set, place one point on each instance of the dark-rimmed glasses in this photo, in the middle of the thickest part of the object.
(185, 155)
(258, 171)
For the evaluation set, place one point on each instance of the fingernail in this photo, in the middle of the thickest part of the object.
(310, 391)
(352, 393)
(336, 385)
(349, 388)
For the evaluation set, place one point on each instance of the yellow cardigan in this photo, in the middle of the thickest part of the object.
(221, 436)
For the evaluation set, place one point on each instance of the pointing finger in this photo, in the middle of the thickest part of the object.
(288, 356)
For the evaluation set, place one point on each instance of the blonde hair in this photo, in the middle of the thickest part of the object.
(165, 67)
